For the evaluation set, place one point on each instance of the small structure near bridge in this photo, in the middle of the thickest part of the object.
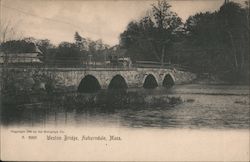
(32, 55)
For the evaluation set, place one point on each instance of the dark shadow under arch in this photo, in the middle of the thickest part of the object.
(89, 84)
(150, 82)
(168, 81)
(118, 82)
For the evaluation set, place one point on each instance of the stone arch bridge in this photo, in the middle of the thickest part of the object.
(93, 79)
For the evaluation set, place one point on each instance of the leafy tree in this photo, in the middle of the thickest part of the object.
(219, 41)
(47, 49)
(204, 41)
(235, 32)
(151, 37)
(80, 42)
(98, 50)
(77, 37)
(68, 54)
(88, 47)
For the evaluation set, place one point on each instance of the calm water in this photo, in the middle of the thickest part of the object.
(202, 106)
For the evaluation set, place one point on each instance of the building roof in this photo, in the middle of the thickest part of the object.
(20, 46)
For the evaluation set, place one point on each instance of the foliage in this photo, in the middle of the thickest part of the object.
(95, 49)
(220, 41)
(212, 42)
(47, 49)
(68, 54)
(151, 36)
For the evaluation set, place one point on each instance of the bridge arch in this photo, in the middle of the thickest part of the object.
(150, 82)
(168, 81)
(89, 84)
(118, 82)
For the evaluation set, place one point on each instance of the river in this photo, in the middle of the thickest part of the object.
(201, 106)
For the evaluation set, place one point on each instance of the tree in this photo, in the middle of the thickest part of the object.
(80, 42)
(82, 45)
(204, 39)
(151, 36)
(220, 41)
(77, 37)
(68, 54)
(48, 50)
(97, 49)
(8, 32)
(235, 30)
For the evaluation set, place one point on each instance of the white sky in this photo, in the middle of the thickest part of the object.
(57, 20)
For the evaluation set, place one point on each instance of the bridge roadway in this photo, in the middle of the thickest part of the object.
(93, 79)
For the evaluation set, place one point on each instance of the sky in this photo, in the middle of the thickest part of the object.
(58, 20)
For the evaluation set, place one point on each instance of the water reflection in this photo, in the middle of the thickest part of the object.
(180, 107)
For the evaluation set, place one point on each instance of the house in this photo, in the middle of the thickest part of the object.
(32, 55)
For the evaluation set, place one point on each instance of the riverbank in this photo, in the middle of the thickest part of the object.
(206, 79)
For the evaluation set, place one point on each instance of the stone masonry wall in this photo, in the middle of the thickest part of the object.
(69, 79)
